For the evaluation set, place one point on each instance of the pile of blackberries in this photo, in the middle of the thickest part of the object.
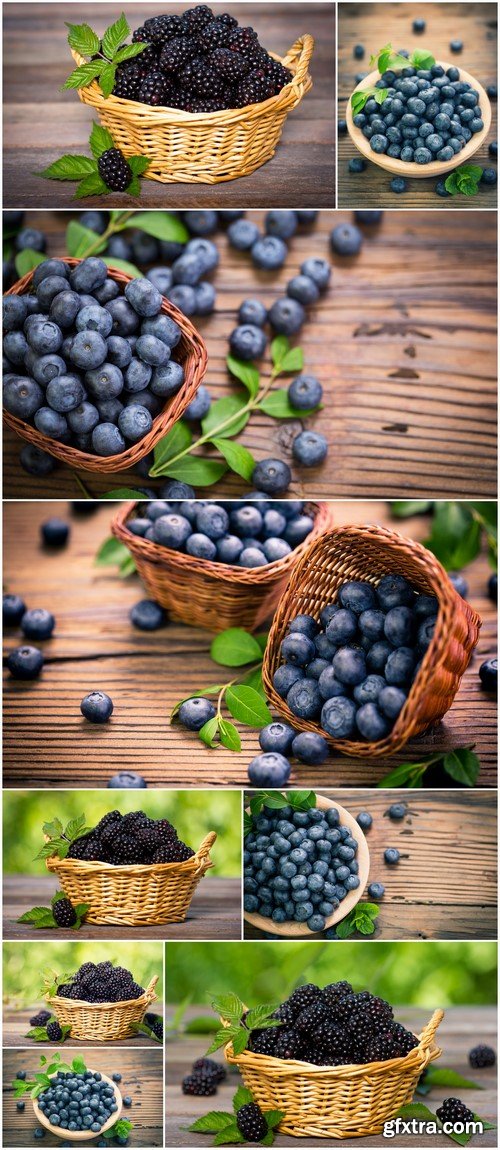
(334, 1027)
(85, 364)
(78, 1101)
(239, 534)
(101, 982)
(353, 669)
(427, 115)
(206, 1075)
(298, 865)
(199, 62)
(131, 839)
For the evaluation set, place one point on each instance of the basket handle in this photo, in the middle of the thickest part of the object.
(301, 52)
(429, 1031)
(149, 992)
(203, 852)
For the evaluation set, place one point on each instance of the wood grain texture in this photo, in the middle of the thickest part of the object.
(445, 885)
(142, 1079)
(16, 1024)
(47, 743)
(374, 25)
(460, 1029)
(403, 343)
(215, 912)
(42, 123)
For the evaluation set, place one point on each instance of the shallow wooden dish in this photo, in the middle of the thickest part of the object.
(436, 167)
(294, 929)
(81, 1135)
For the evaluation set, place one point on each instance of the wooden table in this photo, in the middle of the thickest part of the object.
(461, 1028)
(142, 1079)
(48, 744)
(42, 123)
(215, 912)
(403, 343)
(16, 1024)
(445, 883)
(374, 25)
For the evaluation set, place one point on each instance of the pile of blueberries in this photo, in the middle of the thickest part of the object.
(78, 1101)
(239, 534)
(352, 670)
(298, 865)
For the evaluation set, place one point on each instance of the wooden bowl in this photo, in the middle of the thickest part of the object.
(294, 929)
(81, 1135)
(436, 167)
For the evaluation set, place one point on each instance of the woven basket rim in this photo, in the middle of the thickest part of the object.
(139, 868)
(148, 996)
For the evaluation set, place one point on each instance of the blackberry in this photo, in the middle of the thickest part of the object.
(243, 40)
(336, 991)
(227, 19)
(277, 73)
(54, 1032)
(264, 1041)
(128, 79)
(214, 35)
(201, 80)
(286, 1013)
(290, 1043)
(454, 1110)
(336, 1042)
(114, 170)
(153, 88)
(194, 19)
(230, 65)
(481, 1056)
(405, 1040)
(199, 1084)
(378, 1011)
(312, 1017)
(157, 1030)
(41, 1018)
(149, 55)
(209, 1067)
(64, 912)
(176, 53)
(108, 820)
(159, 29)
(253, 90)
(304, 996)
(251, 1122)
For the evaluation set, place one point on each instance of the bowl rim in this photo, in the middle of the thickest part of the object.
(81, 1135)
(294, 929)
(436, 167)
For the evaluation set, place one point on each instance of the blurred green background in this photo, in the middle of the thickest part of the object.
(193, 813)
(25, 963)
(429, 974)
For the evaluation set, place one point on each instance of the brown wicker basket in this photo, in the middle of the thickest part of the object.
(355, 552)
(102, 1021)
(340, 1101)
(192, 355)
(133, 895)
(209, 147)
(212, 595)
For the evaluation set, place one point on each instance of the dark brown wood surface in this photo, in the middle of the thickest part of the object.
(374, 25)
(445, 885)
(42, 123)
(404, 344)
(461, 1028)
(215, 912)
(48, 743)
(142, 1079)
(16, 1024)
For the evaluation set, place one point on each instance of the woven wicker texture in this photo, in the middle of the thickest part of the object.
(209, 147)
(336, 1102)
(212, 595)
(133, 895)
(355, 552)
(102, 1021)
(191, 352)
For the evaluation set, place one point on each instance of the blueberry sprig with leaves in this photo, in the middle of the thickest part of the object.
(60, 914)
(88, 170)
(104, 55)
(43, 1079)
(229, 1127)
(386, 59)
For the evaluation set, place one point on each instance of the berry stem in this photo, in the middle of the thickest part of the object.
(112, 229)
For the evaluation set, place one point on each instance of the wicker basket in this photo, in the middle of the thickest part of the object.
(102, 1021)
(192, 355)
(212, 595)
(368, 553)
(336, 1102)
(209, 147)
(139, 895)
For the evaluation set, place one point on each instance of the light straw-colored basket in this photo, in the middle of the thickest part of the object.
(338, 1101)
(190, 351)
(140, 895)
(102, 1021)
(208, 147)
(212, 595)
(368, 553)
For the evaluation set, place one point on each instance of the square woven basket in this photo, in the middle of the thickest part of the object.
(336, 1101)
(212, 595)
(208, 147)
(102, 1021)
(368, 553)
(139, 895)
(192, 355)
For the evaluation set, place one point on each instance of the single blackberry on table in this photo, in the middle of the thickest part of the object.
(481, 1056)
(177, 52)
(230, 65)
(454, 1110)
(41, 1018)
(210, 1067)
(199, 1084)
(54, 1032)
(114, 170)
(64, 912)
(251, 1122)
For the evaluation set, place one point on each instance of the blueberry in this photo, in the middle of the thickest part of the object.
(229, 549)
(398, 626)
(460, 584)
(252, 556)
(303, 289)
(493, 587)
(309, 448)
(391, 856)
(371, 723)
(39, 1133)
(252, 312)
(456, 45)
(91, 273)
(369, 690)
(319, 270)
(488, 674)
(242, 234)
(275, 549)
(22, 397)
(55, 532)
(357, 165)
(298, 529)
(147, 615)
(394, 591)
(107, 440)
(97, 707)
(441, 189)
(277, 737)
(212, 520)
(269, 770)
(297, 649)
(284, 678)
(36, 462)
(310, 747)
(342, 127)
(134, 422)
(349, 666)
(37, 623)
(164, 327)
(286, 316)
(368, 217)
(304, 699)
(357, 595)
(282, 223)
(13, 610)
(337, 717)
(376, 890)
(400, 663)
(489, 176)
(194, 713)
(269, 252)
(15, 310)
(346, 239)
(172, 530)
(20, 1106)
(305, 625)
(187, 269)
(419, 26)
(199, 406)
(144, 297)
(358, 51)
(116, 1077)
(398, 184)
(391, 701)
(46, 367)
(126, 780)
(127, 1101)
(247, 342)
(397, 811)
(364, 820)
(305, 392)
(25, 662)
(272, 476)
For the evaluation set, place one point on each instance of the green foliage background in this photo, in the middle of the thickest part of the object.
(193, 813)
(24, 964)
(428, 974)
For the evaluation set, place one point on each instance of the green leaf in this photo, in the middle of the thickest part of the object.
(69, 168)
(122, 493)
(111, 552)
(279, 348)
(173, 443)
(134, 188)
(379, 95)
(464, 180)
(123, 266)
(416, 1110)
(358, 101)
(463, 766)
(107, 79)
(254, 679)
(404, 775)
(421, 58)
(455, 536)
(239, 459)
(114, 36)
(38, 916)
(228, 1136)
(28, 259)
(196, 471)
(247, 706)
(278, 405)
(161, 225)
(240, 1041)
(229, 735)
(444, 1076)
(82, 76)
(227, 408)
(208, 732)
(127, 567)
(235, 647)
(82, 39)
(247, 374)
(210, 1123)
(241, 1098)
(221, 1038)
(273, 1117)
(128, 52)
(139, 164)
(228, 1006)
(292, 361)
(403, 508)
(256, 1017)
(100, 140)
(80, 239)
(91, 185)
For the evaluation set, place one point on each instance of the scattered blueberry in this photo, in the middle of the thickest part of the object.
(492, 587)
(398, 185)
(269, 770)
(147, 615)
(278, 737)
(13, 610)
(391, 856)
(310, 747)
(364, 820)
(456, 45)
(419, 25)
(309, 448)
(55, 532)
(25, 662)
(37, 623)
(346, 240)
(488, 674)
(97, 707)
(376, 890)
(397, 811)
(356, 165)
(126, 780)
(195, 712)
